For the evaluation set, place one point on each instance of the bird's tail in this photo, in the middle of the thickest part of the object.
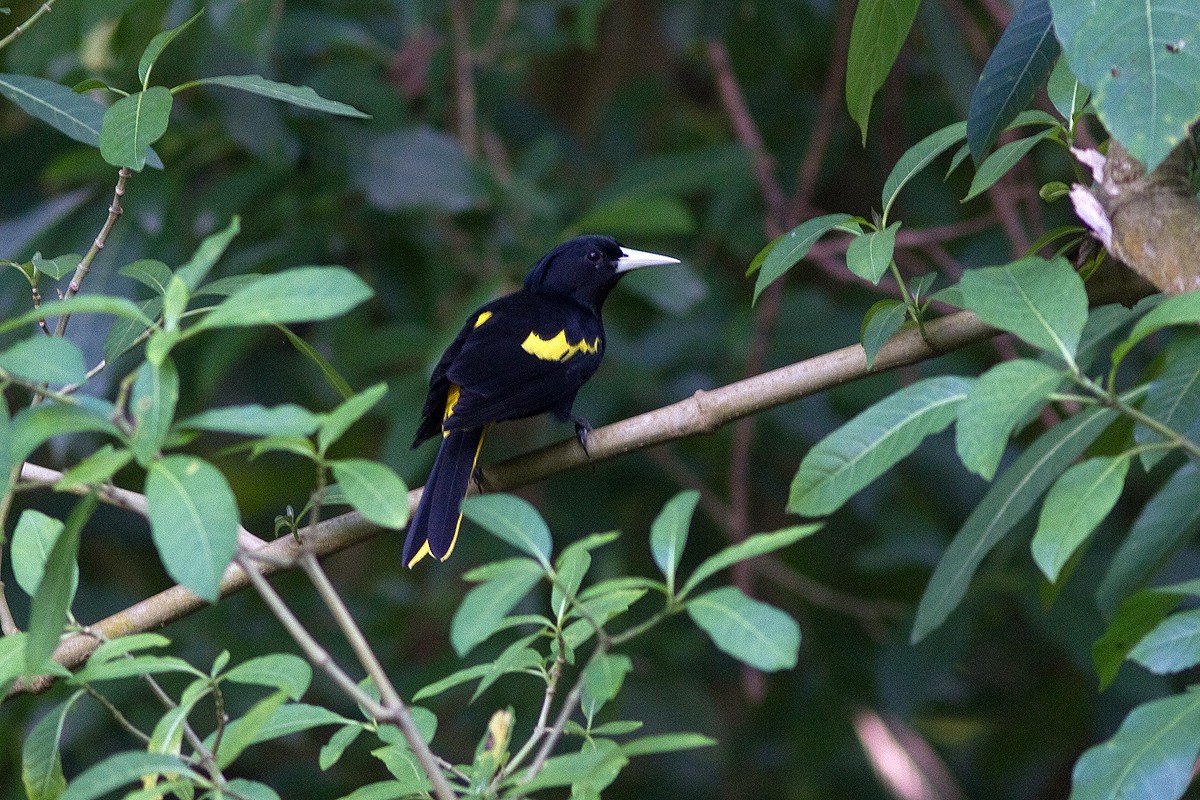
(433, 529)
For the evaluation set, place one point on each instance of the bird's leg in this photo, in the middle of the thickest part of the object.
(582, 429)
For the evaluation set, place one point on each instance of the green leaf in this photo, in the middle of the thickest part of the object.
(255, 420)
(41, 765)
(638, 217)
(1167, 520)
(1003, 398)
(483, 610)
(752, 632)
(665, 743)
(132, 124)
(208, 254)
(374, 490)
(331, 751)
(1136, 617)
(125, 333)
(869, 254)
(157, 45)
(193, 520)
(1183, 309)
(1144, 83)
(879, 30)
(1067, 95)
(96, 469)
(34, 425)
(595, 767)
(155, 394)
(455, 678)
(1041, 301)
(1019, 64)
(124, 768)
(332, 376)
(350, 411)
(283, 671)
(1009, 499)
(854, 455)
(995, 166)
(60, 107)
(756, 545)
(79, 304)
(32, 542)
(56, 268)
(119, 668)
(244, 731)
(300, 96)
(1150, 756)
(12, 658)
(669, 534)
(786, 251)
(882, 320)
(293, 718)
(916, 158)
(116, 648)
(572, 564)
(56, 589)
(602, 680)
(249, 790)
(45, 359)
(1173, 398)
(148, 272)
(514, 521)
(301, 294)
(1078, 502)
(1173, 646)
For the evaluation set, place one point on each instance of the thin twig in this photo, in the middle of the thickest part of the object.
(43, 9)
(464, 76)
(85, 265)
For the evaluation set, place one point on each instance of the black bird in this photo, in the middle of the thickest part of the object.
(517, 356)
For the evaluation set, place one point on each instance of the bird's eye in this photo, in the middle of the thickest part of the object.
(593, 256)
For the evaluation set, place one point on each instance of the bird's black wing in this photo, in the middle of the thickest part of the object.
(529, 354)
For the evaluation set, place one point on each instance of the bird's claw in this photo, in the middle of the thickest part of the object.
(582, 429)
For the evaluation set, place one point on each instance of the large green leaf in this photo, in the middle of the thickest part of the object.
(669, 533)
(879, 30)
(1139, 60)
(193, 520)
(753, 546)
(374, 490)
(503, 585)
(1183, 309)
(1019, 64)
(124, 768)
(786, 251)
(45, 359)
(132, 124)
(1008, 500)
(301, 294)
(1001, 399)
(255, 420)
(995, 166)
(1079, 500)
(32, 542)
(857, 453)
(1149, 758)
(869, 255)
(155, 394)
(514, 521)
(752, 632)
(300, 96)
(79, 304)
(1174, 397)
(916, 158)
(1173, 645)
(63, 109)
(41, 765)
(56, 589)
(1168, 519)
(1041, 301)
(283, 671)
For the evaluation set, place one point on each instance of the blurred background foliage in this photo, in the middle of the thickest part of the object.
(579, 115)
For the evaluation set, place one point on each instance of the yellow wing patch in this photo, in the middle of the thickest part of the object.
(482, 318)
(557, 348)
(451, 402)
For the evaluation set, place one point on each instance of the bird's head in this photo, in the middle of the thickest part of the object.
(586, 268)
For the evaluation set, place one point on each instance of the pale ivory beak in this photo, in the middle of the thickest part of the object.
(633, 259)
